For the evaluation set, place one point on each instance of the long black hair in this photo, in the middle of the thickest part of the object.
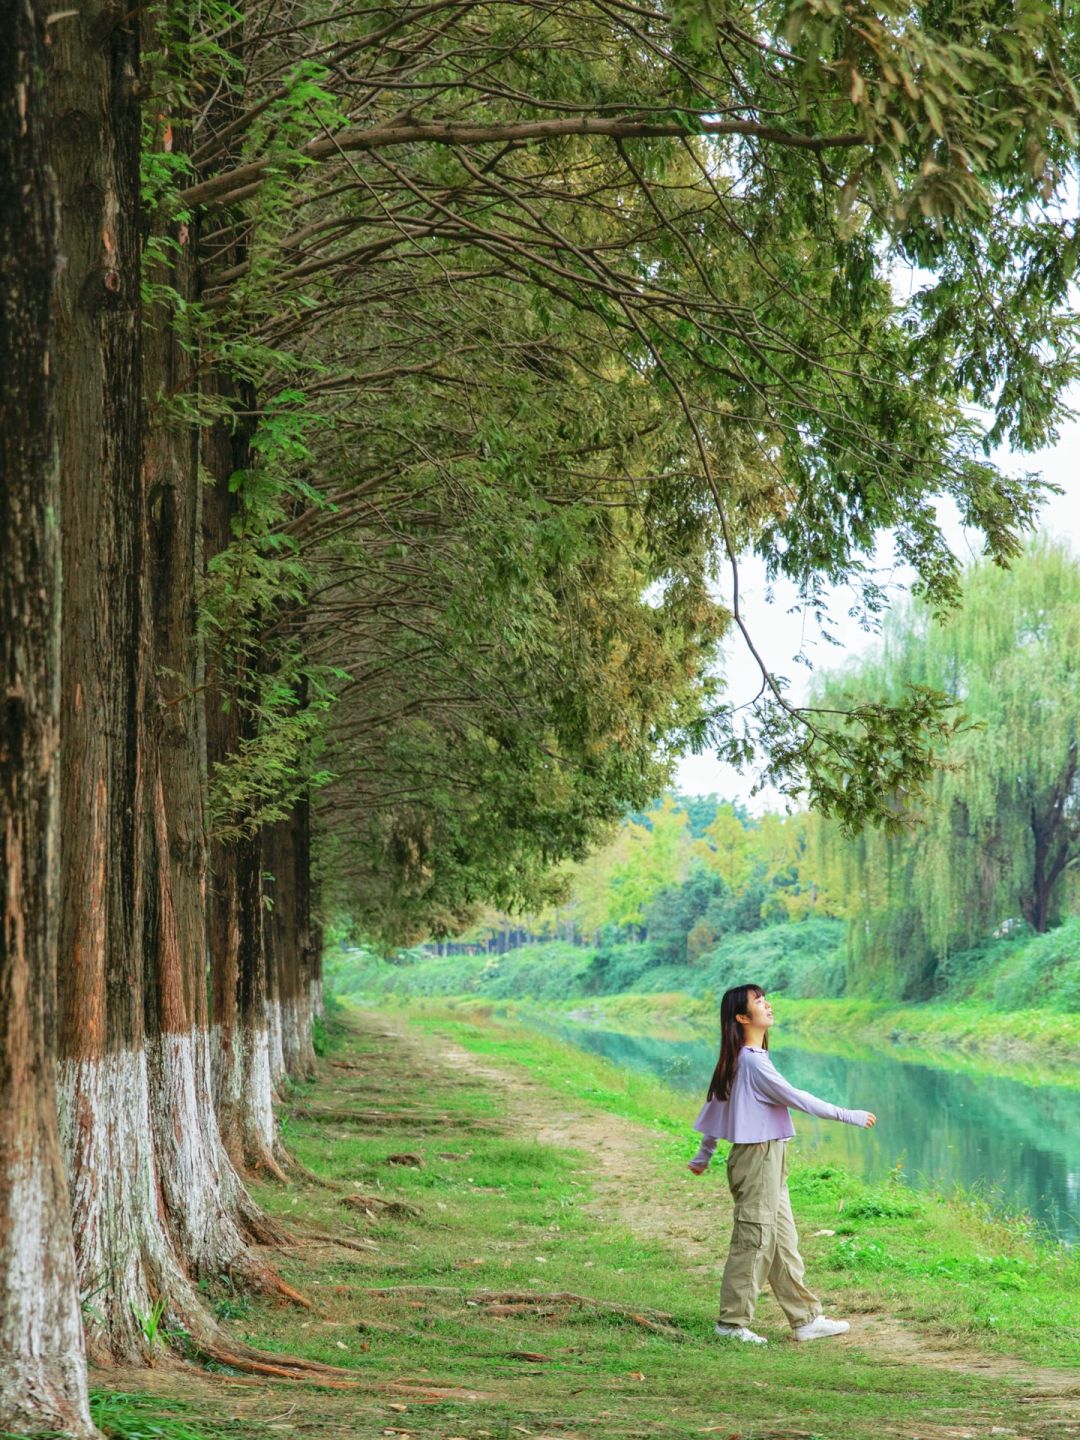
(731, 1038)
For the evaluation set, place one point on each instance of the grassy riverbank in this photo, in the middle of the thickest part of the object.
(1032, 1046)
(543, 1265)
(1024, 1042)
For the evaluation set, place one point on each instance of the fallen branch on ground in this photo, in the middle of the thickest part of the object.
(374, 1207)
(515, 1302)
(323, 1237)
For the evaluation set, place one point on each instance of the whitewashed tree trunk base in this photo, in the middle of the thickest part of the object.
(276, 1048)
(191, 1158)
(124, 1255)
(246, 1102)
(42, 1367)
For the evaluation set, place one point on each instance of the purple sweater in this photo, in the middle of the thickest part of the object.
(757, 1107)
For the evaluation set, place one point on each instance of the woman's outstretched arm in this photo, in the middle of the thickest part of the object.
(771, 1087)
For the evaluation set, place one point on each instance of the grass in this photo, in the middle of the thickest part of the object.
(122, 1416)
(1033, 1045)
(1003, 1277)
(492, 1208)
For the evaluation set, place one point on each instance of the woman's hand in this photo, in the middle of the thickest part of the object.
(871, 1120)
(696, 1169)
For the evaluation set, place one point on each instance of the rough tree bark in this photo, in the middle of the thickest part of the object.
(243, 1082)
(1054, 830)
(42, 1367)
(208, 1210)
(150, 1196)
(209, 1213)
(125, 1256)
(154, 1199)
(289, 938)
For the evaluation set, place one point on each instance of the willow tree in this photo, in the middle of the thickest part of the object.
(999, 839)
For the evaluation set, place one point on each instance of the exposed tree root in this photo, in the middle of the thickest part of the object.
(374, 1207)
(258, 1228)
(377, 1327)
(561, 1297)
(323, 1237)
(259, 1164)
(431, 1394)
(282, 1368)
(296, 1171)
(516, 1302)
(268, 1282)
(393, 1120)
(496, 1302)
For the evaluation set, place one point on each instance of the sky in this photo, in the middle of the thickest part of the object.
(780, 635)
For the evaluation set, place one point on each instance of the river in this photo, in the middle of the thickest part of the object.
(1018, 1144)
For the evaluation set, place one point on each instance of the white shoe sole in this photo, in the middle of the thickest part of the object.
(748, 1339)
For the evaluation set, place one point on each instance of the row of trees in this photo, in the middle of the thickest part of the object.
(382, 392)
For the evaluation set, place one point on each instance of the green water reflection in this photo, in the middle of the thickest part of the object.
(1019, 1143)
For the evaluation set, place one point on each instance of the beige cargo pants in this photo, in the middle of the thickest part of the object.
(764, 1245)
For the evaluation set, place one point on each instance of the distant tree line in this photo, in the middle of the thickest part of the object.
(679, 878)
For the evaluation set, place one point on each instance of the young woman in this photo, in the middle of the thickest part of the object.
(747, 1104)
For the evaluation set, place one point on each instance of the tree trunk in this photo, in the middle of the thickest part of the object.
(42, 1368)
(1054, 838)
(125, 1259)
(289, 943)
(274, 1020)
(246, 1091)
(318, 999)
(152, 1200)
(243, 1084)
(204, 1198)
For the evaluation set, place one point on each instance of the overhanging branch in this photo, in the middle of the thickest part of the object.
(220, 188)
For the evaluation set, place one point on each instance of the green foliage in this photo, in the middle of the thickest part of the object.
(261, 667)
(800, 959)
(895, 1203)
(320, 1039)
(804, 959)
(150, 1322)
(521, 405)
(996, 846)
(1024, 971)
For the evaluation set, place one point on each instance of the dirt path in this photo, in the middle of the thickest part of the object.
(677, 1212)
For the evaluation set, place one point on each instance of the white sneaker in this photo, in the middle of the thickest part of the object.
(819, 1328)
(740, 1332)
